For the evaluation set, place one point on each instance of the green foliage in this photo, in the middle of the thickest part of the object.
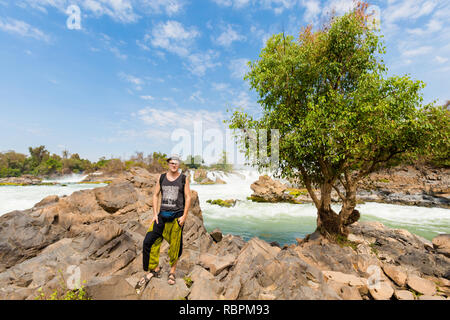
(222, 203)
(297, 192)
(188, 281)
(63, 293)
(344, 242)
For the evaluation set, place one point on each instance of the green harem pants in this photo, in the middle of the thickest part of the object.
(164, 229)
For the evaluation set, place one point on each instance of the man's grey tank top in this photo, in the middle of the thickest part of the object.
(172, 194)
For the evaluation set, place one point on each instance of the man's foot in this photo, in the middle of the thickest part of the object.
(171, 279)
(142, 283)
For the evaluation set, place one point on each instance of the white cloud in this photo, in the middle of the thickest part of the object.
(220, 86)
(23, 29)
(228, 36)
(407, 9)
(312, 10)
(238, 68)
(173, 37)
(137, 82)
(117, 53)
(199, 63)
(433, 26)
(197, 96)
(234, 3)
(147, 98)
(170, 7)
(441, 60)
(416, 51)
(118, 10)
(163, 118)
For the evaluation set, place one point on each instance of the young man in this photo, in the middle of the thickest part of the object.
(167, 222)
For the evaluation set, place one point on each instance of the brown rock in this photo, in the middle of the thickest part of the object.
(423, 286)
(350, 293)
(110, 288)
(396, 274)
(216, 234)
(216, 264)
(427, 297)
(205, 286)
(46, 201)
(403, 295)
(442, 244)
(382, 291)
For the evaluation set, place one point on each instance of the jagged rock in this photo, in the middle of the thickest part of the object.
(268, 190)
(100, 234)
(116, 196)
(409, 185)
(442, 244)
(46, 201)
(110, 288)
(205, 286)
(216, 264)
(160, 289)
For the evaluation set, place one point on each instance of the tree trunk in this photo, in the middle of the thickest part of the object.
(328, 223)
(348, 214)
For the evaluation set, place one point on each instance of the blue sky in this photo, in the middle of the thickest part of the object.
(136, 70)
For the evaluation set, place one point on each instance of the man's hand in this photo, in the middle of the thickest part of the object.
(155, 218)
(182, 220)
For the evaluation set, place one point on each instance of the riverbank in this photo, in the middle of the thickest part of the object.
(100, 232)
(422, 186)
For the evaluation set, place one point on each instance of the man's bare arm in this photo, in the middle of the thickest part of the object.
(187, 201)
(156, 191)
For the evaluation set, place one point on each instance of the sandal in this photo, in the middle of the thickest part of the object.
(142, 283)
(171, 279)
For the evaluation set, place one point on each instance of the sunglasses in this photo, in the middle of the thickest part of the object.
(174, 163)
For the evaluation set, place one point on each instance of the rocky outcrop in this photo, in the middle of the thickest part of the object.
(408, 185)
(98, 234)
(201, 177)
(24, 180)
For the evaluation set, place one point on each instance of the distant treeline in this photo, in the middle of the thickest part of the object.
(40, 162)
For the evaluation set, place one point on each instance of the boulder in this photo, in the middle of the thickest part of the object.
(216, 264)
(421, 285)
(269, 190)
(116, 196)
(403, 295)
(205, 286)
(110, 288)
(442, 244)
(381, 291)
(46, 201)
(216, 234)
(396, 274)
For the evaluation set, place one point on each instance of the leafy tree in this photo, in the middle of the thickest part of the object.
(338, 115)
(38, 155)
